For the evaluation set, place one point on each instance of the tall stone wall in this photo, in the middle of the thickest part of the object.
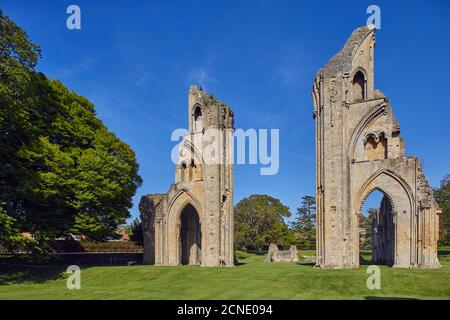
(359, 149)
(204, 182)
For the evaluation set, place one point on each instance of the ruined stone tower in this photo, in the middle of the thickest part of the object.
(193, 222)
(359, 149)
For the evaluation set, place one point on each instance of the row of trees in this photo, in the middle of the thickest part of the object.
(260, 220)
(442, 196)
(61, 170)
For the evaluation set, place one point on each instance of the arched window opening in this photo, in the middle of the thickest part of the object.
(198, 119)
(375, 147)
(359, 87)
(183, 175)
(376, 230)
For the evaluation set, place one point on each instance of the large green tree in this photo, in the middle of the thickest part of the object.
(442, 196)
(365, 223)
(137, 234)
(61, 170)
(20, 123)
(304, 225)
(259, 221)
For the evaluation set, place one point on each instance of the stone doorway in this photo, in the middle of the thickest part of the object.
(377, 229)
(190, 237)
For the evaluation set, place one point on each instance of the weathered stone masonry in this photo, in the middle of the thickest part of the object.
(193, 223)
(359, 149)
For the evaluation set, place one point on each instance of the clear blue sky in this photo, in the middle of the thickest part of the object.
(136, 60)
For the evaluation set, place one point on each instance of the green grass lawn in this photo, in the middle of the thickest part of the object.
(252, 279)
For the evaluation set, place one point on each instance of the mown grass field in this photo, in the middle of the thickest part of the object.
(252, 279)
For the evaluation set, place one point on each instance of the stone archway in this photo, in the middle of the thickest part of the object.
(190, 237)
(180, 211)
(382, 229)
(394, 224)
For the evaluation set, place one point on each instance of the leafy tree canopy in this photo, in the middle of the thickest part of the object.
(259, 221)
(137, 235)
(61, 170)
(442, 196)
(304, 225)
(365, 223)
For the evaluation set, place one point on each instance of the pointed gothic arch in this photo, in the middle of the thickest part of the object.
(190, 236)
(175, 225)
(392, 246)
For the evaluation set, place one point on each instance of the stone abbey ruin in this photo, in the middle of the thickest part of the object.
(359, 149)
(193, 223)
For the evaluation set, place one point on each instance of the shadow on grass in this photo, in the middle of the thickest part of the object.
(388, 298)
(238, 260)
(29, 274)
(307, 263)
(27, 269)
